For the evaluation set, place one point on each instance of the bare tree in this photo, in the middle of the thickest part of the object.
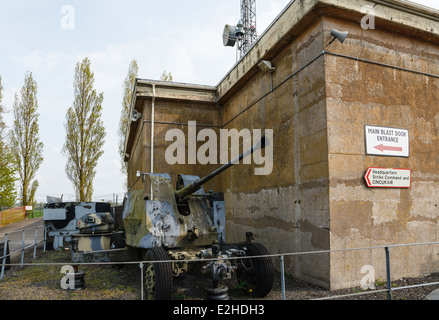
(85, 132)
(26, 147)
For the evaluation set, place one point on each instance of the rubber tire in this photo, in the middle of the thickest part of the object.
(260, 282)
(79, 280)
(162, 274)
(117, 241)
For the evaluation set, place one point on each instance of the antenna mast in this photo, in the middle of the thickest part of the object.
(248, 20)
(244, 33)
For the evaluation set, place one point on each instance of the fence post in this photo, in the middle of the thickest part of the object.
(45, 237)
(141, 280)
(22, 247)
(35, 246)
(389, 284)
(282, 275)
(4, 257)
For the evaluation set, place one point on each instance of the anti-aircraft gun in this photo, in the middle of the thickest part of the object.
(189, 224)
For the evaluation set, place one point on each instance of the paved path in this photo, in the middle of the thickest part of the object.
(15, 235)
(20, 225)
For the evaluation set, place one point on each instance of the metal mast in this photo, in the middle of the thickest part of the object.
(248, 20)
(244, 33)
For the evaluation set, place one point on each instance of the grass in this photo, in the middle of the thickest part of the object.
(43, 282)
(36, 213)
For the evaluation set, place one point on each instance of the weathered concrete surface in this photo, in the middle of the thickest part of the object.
(326, 157)
(362, 93)
(287, 210)
(174, 105)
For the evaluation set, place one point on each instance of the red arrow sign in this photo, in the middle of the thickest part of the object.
(366, 177)
(388, 178)
(383, 148)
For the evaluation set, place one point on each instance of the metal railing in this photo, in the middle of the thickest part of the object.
(6, 241)
(389, 289)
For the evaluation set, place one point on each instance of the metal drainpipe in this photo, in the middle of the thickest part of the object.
(152, 133)
(271, 81)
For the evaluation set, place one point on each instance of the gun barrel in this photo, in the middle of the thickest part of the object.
(182, 194)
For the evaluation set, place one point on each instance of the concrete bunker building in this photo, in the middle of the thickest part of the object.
(318, 102)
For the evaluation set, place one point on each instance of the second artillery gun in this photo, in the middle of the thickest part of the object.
(186, 227)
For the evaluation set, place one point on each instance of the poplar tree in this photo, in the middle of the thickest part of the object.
(166, 76)
(26, 147)
(128, 86)
(8, 194)
(85, 132)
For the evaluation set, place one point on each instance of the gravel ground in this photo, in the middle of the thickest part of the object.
(113, 283)
(192, 288)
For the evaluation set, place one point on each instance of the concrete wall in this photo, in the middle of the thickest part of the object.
(167, 113)
(138, 156)
(362, 93)
(287, 211)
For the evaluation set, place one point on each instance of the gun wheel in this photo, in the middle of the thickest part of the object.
(257, 273)
(158, 275)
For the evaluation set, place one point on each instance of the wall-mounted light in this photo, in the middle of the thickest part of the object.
(140, 174)
(341, 36)
(266, 66)
(136, 116)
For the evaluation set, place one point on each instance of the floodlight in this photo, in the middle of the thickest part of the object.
(266, 66)
(341, 36)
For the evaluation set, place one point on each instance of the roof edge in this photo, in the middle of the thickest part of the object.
(395, 11)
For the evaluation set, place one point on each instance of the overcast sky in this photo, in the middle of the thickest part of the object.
(181, 37)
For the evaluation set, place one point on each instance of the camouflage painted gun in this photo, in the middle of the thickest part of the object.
(186, 225)
(96, 233)
(187, 216)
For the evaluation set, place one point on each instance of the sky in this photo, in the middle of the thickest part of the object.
(49, 37)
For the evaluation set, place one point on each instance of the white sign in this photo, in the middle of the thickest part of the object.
(385, 141)
(388, 178)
